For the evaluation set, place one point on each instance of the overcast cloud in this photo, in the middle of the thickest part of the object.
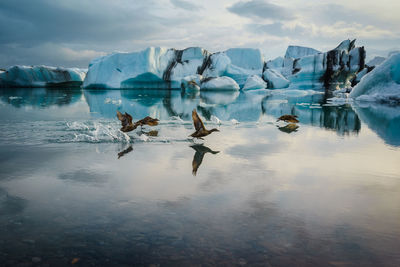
(71, 33)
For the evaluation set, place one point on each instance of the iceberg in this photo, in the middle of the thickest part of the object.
(41, 76)
(334, 67)
(382, 84)
(162, 68)
(376, 61)
(307, 68)
(219, 83)
(154, 67)
(191, 82)
(299, 51)
(236, 63)
(137, 70)
(275, 79)
(254, 82)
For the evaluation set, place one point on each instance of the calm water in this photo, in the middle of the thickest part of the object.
(73, 188)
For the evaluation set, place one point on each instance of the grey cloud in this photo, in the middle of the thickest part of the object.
(278, 29)
(260, 9)
(52, 21)
(184, 5)
(79, 25)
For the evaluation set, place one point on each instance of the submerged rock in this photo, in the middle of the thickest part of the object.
(41, 76)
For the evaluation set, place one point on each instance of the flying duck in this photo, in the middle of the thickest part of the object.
(127, 125)
(201, 131)
(288, 118)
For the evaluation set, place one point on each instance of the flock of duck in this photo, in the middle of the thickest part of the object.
(201, 131)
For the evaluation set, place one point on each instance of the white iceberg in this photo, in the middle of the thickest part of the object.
(275, 79)
(381, 84)
(153, 67)
(41, 76)
(138, 69)
(219, 83)
(254, 82)
(299, 51)
(236, 63)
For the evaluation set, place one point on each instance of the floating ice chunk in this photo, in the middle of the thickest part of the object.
(381, 84)
(116, 102)
(144, 138)
(215, 120)
(275, 79)
(41, 76)
(254, 82)
(14, 97)
(177, 118)
(234, 121)
(219, 83)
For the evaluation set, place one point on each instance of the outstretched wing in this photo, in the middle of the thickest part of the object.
(198, 124)
(125, 119)
(129, 117)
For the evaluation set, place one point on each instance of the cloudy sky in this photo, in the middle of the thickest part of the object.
(71, 33)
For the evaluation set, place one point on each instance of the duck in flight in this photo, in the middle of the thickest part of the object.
(128, 125)
(201, 131)
(288, 118)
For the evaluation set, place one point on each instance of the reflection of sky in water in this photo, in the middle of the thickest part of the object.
(314, 196)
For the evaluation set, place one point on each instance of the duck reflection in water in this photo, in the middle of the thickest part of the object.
(201, 150)
(290, 128)
(125, 151)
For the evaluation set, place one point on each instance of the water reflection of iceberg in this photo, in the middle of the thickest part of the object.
(310, 110)
(247, 106)
(382, 119)
(40, 97)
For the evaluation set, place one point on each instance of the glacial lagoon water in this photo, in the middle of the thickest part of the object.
(74, 189)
